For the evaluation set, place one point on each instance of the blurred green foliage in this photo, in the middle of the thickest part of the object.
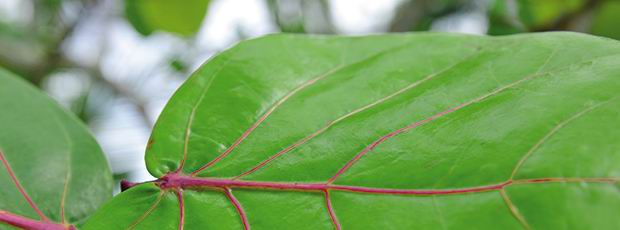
(536, 14)
(419, 15)
(606, 20)
(598, 17)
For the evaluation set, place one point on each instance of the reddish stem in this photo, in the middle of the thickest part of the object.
(181, 181)
(125, 184)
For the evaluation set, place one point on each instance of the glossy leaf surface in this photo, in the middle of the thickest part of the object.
(148, 16)
(50, 155)
(407, 131)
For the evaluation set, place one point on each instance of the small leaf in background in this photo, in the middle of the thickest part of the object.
(183, 18)
(47, 156)
(406, 131)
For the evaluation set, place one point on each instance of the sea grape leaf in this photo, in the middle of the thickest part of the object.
(148, 16)
(50, 155)
(404, 131)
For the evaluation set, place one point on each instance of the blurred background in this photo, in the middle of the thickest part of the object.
(115, 63)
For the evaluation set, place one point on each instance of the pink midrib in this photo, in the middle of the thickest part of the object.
(180, 181)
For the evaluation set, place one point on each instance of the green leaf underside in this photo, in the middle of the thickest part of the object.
(148, 16)
(54, 158)
(533, 119)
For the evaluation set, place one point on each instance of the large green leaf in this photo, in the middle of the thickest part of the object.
(407, 131)
(148, 16)
(51, 167)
